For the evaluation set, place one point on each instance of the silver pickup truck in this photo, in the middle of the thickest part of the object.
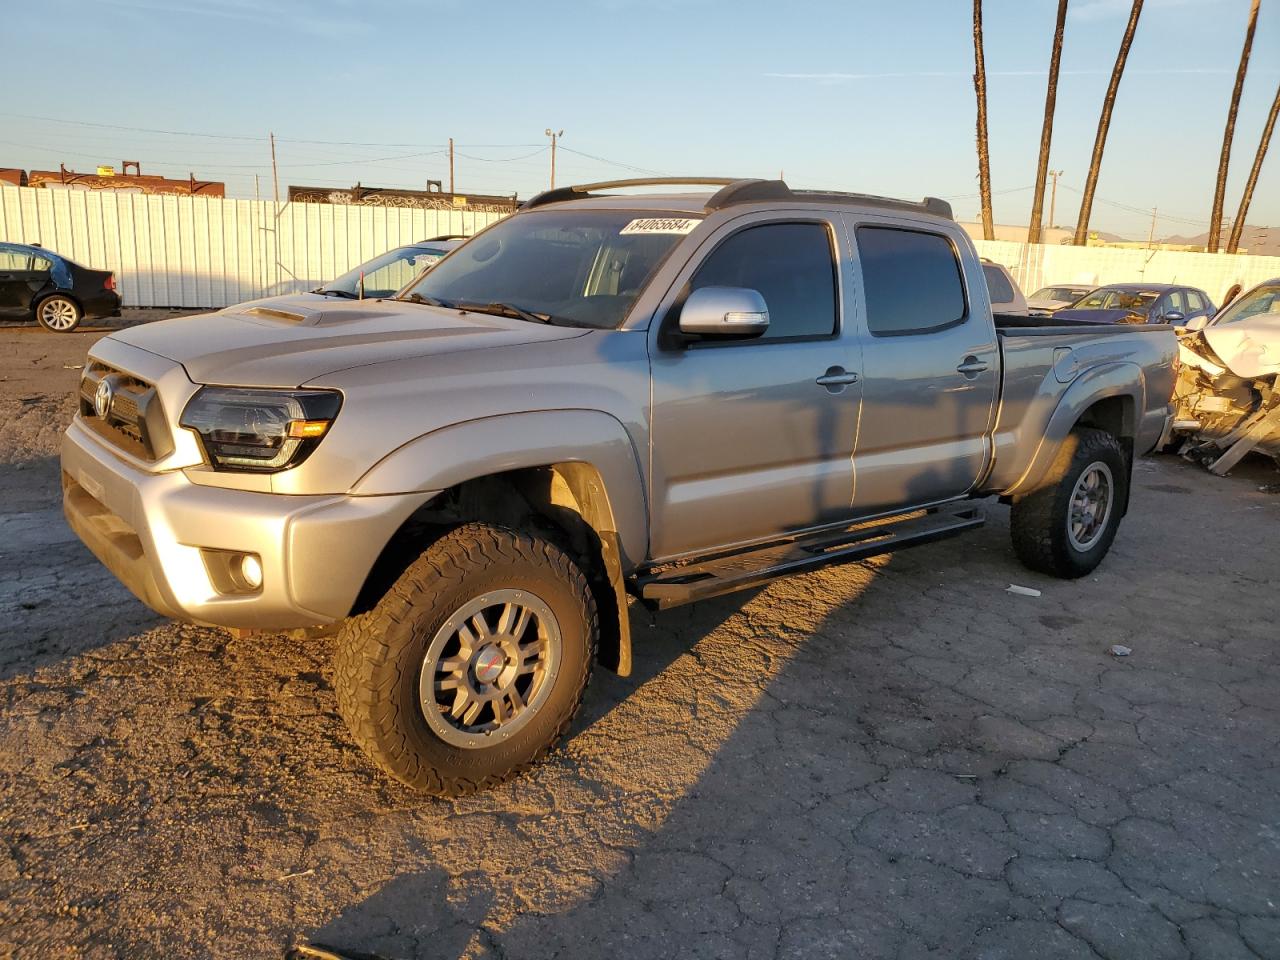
(665, 396)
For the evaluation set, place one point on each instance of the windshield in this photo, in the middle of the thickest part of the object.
(1259, 301)
(577, 267)
(386, 274)
(1118, 300)
(1058, 294)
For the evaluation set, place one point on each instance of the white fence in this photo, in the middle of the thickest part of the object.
(1039, 265)
(205, 252)
(169, 251)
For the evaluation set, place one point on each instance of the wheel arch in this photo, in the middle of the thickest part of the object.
(1108, 398)
(575, 479)
(44, 295)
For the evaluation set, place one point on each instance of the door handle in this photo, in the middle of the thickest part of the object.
(836, 377)
(971, 366)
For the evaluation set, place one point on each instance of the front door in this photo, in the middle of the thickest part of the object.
(746, 443)
(931, 368)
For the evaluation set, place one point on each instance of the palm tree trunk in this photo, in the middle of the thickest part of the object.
(1220, 189)
(1233, 242)
(980, 88)
(1104, 124)
(1046, 132)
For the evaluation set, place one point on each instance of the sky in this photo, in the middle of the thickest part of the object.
(861, 95)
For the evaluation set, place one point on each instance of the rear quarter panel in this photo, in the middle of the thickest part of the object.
(1051, 378)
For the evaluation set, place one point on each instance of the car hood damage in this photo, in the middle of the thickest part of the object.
(1227, 394)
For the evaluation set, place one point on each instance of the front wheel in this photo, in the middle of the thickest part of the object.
(1066, 528)
(473, 665)
(58, 314)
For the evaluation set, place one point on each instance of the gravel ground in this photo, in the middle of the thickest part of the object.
(894, 758)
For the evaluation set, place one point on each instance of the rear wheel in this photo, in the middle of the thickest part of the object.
(1066, 528)
(58, 313)
(473, 665)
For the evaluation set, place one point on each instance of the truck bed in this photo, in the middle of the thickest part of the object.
(1043, 357)
(1011, 324)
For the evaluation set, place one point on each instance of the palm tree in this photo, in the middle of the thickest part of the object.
(1233, 242)
(980, 88)
(1104, 123)
(1046, 132)
(1220, 190)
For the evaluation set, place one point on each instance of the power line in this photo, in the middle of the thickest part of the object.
(244, 137)
(612, 163)
(523, 156)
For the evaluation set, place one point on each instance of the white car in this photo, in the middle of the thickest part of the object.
(1048, 299)
(1006, 297)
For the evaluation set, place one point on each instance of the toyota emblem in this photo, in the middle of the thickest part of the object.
(102, 398)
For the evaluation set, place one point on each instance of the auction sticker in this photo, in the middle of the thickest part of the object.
(660, 225)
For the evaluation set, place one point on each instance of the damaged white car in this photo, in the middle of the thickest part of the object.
(1227, 394)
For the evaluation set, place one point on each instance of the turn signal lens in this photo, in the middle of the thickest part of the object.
(307, 429)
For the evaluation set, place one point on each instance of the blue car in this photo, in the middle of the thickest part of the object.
(38, 284)
(1140, 303)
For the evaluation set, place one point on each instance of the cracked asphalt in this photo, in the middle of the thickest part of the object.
(895, 758)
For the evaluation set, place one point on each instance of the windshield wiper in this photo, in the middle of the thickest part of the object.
(429, 301)
(503, 310)
(336, 293)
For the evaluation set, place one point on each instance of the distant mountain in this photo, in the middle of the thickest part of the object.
(1256, 241)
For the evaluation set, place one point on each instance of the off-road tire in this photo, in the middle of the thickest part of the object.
(65, 306)
(1039, 521)
(380, 653)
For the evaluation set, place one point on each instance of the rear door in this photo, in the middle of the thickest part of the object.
(931, 367)
(751, 438)
(18, 282)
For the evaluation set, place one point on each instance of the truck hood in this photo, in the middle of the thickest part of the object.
(286, 341)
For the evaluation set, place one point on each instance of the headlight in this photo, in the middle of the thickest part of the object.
(259, 431)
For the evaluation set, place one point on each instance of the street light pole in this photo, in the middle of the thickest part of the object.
(554, 135)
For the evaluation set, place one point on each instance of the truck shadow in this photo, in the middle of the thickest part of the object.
(733, 760)
(57, 601)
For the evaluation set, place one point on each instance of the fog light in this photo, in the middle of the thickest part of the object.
(250, 570)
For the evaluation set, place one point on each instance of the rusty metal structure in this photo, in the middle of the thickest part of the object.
(125, 181)
(433, 198)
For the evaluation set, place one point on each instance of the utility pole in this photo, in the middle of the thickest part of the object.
(451, 164)
(1151, 237)
(257, 193)
(1053, 194)
(554, 135)
(275, 175)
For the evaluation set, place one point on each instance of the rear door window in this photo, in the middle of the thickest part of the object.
(12, 260)
(911, 281)
(792, 267)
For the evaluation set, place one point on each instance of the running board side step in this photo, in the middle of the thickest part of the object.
(673, 585)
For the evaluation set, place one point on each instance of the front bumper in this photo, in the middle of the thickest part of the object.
(162, 535)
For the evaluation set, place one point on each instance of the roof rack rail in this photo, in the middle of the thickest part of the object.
(578, 191)
(734, 191)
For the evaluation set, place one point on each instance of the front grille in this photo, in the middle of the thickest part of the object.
(133, 419)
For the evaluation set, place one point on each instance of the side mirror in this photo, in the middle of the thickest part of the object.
(1173, 317)
(724, 312)
(1197, 323)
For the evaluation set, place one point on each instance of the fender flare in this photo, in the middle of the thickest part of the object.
(491, 445)
(1119, 379)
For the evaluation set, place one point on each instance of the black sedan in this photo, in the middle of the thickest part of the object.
(39, 284)
(1140, 303)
